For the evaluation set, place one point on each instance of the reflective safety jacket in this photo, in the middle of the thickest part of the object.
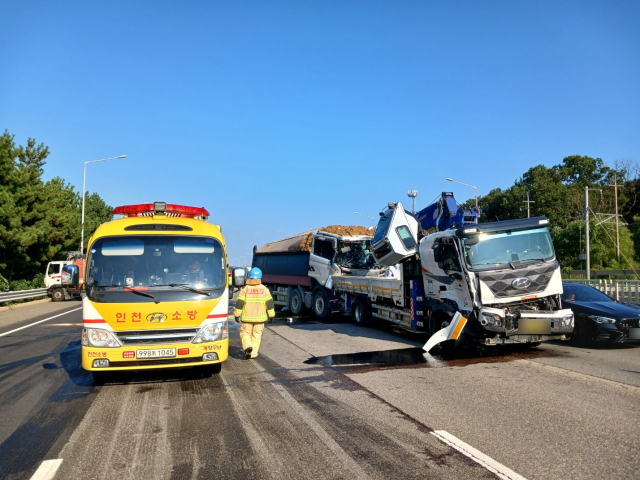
(254, 304)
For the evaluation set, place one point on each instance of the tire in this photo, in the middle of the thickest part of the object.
(296, 302)
(230, 293)
(57, 295)
(320, 305)
(361, 312)
(580, 335)
(216, 368)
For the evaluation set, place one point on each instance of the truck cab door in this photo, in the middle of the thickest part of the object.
(323, 250)
(52, 277)
(396, 236)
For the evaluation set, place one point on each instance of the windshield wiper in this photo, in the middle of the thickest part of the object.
(129, 289)
(185, 286)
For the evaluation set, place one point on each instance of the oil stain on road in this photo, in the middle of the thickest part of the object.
(362, 362)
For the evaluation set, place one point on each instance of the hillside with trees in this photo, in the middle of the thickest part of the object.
(39, 221)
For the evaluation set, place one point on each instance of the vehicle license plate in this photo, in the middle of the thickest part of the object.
(534, 326)
(634, 333)
(156, 353)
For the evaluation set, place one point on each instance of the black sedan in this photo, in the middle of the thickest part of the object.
(598, 317)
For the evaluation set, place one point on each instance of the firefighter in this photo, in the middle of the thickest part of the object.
(255, 306)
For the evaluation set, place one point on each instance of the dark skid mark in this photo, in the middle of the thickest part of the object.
(363, 362)
(50, 366)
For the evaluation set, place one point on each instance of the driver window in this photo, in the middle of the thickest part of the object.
(450, 259)
(323, 248)
(54, 269)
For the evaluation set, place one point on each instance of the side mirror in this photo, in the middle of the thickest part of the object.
(239, 277)
(70, 276)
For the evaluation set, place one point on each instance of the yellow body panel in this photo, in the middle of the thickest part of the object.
(133, 316)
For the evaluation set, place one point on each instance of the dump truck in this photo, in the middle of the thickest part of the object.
(299, 270)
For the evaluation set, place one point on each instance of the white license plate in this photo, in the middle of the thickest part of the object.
(156, 353)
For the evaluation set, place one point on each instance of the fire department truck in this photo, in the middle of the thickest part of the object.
(156, 291)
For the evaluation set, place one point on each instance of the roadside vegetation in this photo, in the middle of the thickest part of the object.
(39, 220)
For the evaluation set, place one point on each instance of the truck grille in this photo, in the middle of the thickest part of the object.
(500, 282)
(143, 337)
(626, 323)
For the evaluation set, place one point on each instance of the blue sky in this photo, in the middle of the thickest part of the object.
(280, 116)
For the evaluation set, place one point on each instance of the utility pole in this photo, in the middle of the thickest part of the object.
(615, 189)
(586, 235)
(528, 202)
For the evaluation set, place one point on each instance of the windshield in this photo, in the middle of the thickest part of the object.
(354, 254)
(383, 226)
(582, 293)
(166, 266)
(490, 250)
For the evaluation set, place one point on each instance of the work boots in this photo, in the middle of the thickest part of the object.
(247, 352)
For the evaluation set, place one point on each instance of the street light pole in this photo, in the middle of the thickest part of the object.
(372, 218)
(467, 185)
(84, 178)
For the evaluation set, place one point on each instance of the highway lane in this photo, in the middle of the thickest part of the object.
(555, 412)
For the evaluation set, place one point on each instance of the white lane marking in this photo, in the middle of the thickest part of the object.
(36, 323)
(47, 469)
(477, 456)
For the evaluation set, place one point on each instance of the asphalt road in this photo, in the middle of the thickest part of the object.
(323, 400)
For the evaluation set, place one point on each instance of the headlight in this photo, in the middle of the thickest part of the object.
(99, 338)
(212, 332)
(567, 321)
(602, 319)
(491, 319)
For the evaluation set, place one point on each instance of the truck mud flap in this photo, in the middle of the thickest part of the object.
(451, 332)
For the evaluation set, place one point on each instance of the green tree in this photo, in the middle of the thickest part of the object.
(39, 221)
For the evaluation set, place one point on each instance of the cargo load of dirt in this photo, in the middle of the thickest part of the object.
(302, 241)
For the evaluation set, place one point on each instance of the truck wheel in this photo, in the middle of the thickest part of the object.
(57, 295)
(321, 304)
(361, 313)
(296, 302)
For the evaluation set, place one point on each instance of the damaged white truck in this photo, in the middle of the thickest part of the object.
(438, 272)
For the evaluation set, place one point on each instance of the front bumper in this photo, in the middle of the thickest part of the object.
(119, 360)
(610, 333)
(510, 326)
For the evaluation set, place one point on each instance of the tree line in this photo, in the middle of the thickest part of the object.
(39, 221)
(558, 193)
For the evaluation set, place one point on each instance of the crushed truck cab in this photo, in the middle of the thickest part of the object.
(156, 291)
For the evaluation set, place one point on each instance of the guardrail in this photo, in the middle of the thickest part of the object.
(620, 290)
(22, 295)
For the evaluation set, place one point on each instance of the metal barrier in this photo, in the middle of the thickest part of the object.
(22, 295)
(627, 291)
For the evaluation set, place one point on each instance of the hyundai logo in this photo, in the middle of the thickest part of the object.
(521, 283)
(156, 317)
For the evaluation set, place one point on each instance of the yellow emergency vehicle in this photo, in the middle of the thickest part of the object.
(156, 291)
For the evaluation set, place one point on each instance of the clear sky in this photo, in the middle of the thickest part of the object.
(280, 116)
